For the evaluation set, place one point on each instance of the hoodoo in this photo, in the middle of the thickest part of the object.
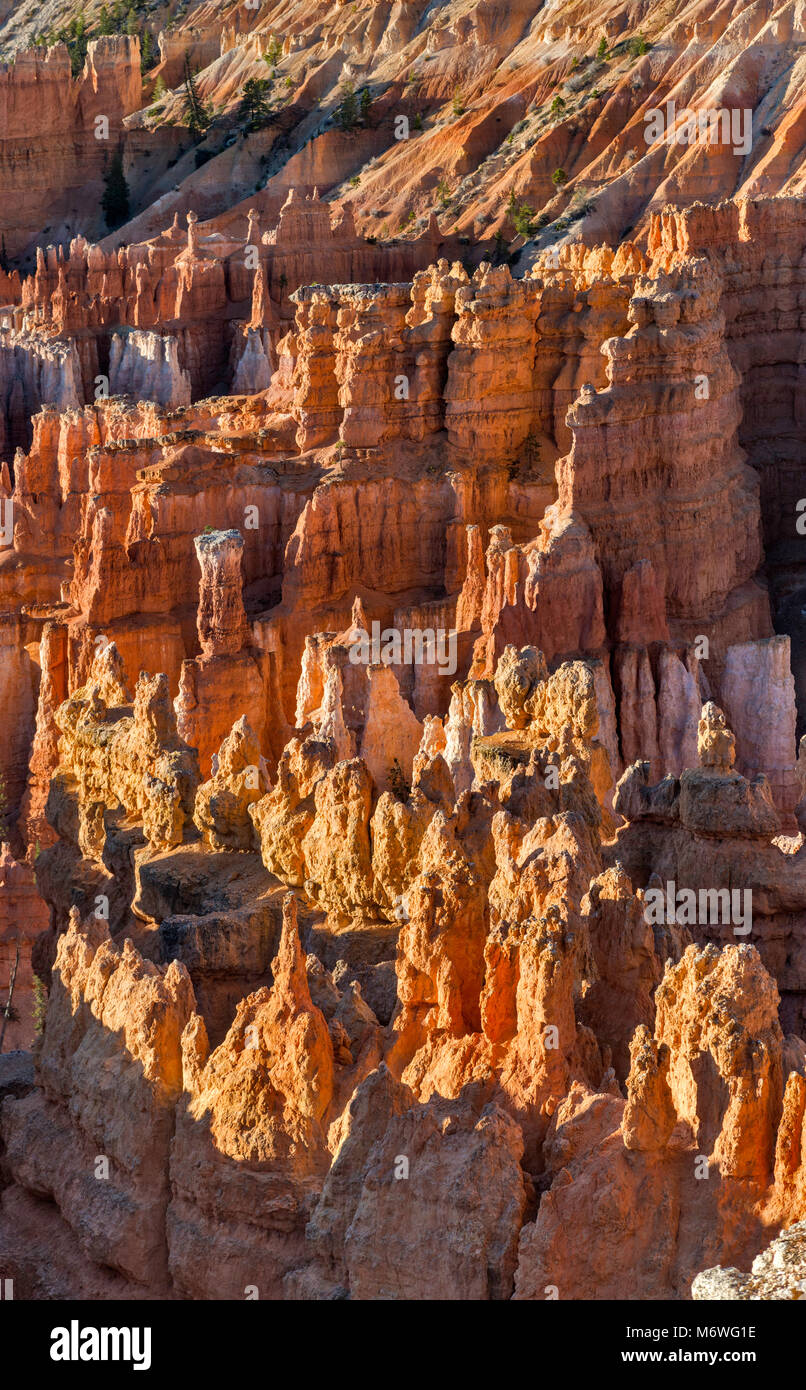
(403, 637)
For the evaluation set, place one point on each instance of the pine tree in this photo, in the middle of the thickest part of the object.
(348, 108)
(197, 114)
(105, 25)
(254, 108)
(76, 38)
(115, 200)
(147, 51)
(274, 52)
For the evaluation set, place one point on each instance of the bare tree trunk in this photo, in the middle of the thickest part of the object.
(11, 982)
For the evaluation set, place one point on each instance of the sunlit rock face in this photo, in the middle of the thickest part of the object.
(403, 875)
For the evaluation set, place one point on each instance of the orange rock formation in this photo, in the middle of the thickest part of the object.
(403, 667)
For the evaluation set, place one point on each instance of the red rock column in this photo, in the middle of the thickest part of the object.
(316, 399)
(221, 619)
(45, 748)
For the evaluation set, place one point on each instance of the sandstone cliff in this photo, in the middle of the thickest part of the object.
(402, 579)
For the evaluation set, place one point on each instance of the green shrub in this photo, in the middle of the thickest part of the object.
(637, 47)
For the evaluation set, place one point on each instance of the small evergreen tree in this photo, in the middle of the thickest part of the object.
(523, 220)
(78, 30)
(559, 177)
(160, 89)
(148, 51)
(254, 108)
(76, 39)
(197, 115)
(520, 215)
(115, 200)
(365, 101)
(347, 111)
(274, 52)
(105, 25)
(601, 52)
